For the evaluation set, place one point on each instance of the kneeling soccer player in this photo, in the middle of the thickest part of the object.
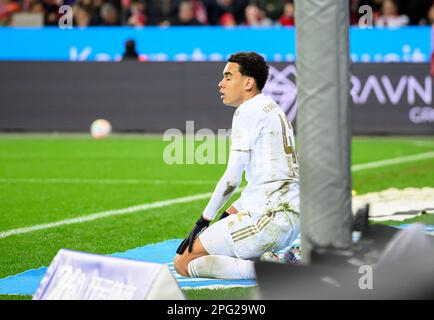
(265, 217)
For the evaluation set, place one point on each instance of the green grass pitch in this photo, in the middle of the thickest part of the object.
(48, 178)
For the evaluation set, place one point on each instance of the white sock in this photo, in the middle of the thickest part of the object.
(221, 267)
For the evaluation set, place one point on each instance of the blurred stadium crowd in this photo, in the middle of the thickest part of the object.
(202, 12)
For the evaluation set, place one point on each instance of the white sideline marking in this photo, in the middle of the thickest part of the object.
(354, 168)
(388, 162)
(159, 204)
(104, 214)
(221, 286)
(424, 144)
(103, 181)
(109, 213)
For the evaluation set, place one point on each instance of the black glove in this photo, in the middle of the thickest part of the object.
(361, 219)
(224, 215)
(200, 226)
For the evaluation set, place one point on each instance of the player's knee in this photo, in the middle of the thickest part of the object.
(181, 265)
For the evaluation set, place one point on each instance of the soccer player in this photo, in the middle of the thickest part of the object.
(266, 216)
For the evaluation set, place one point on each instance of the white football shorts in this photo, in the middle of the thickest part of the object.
(243, 236)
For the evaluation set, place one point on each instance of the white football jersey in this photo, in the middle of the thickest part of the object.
(260, 127)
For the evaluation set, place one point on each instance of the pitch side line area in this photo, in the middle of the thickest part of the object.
(160, 204)
(105, 214)
(104, 181)
(388, 162)
(354, 168)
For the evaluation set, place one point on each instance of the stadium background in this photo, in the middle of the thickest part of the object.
(173, 79)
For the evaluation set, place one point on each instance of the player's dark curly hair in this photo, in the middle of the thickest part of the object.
(252, 65)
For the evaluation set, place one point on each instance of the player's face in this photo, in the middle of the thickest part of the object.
(232, 87)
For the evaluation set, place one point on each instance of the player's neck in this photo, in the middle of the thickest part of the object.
(250, 95)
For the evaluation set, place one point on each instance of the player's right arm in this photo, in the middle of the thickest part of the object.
(231, 210)
(226, 186)
(243, 123)
(239, 157)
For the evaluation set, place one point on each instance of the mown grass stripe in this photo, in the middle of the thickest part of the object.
(159, 204)
(105, 214)
(103, 181)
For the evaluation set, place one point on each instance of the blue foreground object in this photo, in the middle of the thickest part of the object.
(27, 282)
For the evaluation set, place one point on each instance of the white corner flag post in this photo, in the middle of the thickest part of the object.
(323, 123)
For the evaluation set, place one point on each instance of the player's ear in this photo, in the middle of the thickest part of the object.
(250, 83)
